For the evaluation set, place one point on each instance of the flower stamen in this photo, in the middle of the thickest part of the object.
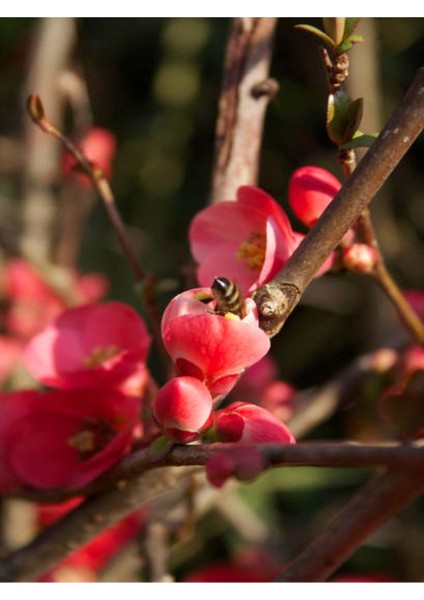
(252, 251)
(100, 355)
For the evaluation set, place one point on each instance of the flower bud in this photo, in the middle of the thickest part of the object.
(359, 258)
(183, 409)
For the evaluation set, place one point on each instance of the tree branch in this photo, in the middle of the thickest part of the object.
(277, 299)
(374, 504)
(246, 91)
(319, 454)
(84, 523)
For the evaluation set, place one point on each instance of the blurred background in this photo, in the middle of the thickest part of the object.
(154, 84)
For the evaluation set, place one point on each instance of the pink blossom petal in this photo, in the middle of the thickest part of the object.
(217, 345)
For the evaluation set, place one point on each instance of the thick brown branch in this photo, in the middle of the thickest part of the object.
(374, 504)
(82, 524)
(245, 94)
(277, 299)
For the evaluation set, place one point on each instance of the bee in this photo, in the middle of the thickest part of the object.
(228, 297)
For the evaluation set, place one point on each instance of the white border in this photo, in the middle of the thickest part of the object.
(188, 8)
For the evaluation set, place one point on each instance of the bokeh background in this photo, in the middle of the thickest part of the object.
(155, 84)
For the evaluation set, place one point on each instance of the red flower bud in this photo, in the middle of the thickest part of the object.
(250, 424)
(183, 408)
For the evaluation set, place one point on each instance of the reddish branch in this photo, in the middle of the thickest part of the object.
(277, 299)
(374, 504)
(246, 91)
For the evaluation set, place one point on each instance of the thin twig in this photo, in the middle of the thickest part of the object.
(145, 283)
(277, 299)
(319, 454)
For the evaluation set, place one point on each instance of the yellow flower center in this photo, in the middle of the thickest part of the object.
(93, 436)
(252, 251)
(100, 355)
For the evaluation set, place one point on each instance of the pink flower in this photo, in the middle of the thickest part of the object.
(99, 146)
(33, 303)
(208, 346)
(94, 345)
(250, 424)
(183, 409)
(311, 189)
(63, 437)
(247, 241)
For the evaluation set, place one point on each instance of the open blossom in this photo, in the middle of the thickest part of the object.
(183, 408)
(208, 346)
(63, 437)
(93, 345)
(247, 241)
(33, 303)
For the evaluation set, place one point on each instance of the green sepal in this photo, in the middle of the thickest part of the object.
(335, 28)
(351, 23)
(343, 117)
(317, 33)
(159, 447)
(360, 140)
(348, 43)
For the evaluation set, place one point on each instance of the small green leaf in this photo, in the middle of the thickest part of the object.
(343, 117)
(351, 23)
(317, 33)
(360, 140)
(348, 43)
(335, 28)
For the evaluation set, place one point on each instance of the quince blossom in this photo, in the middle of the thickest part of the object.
(94, 345)
(63, 437)
(208, 346)
(247, 241)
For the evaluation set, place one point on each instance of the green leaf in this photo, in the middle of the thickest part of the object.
(335, 28)
(351, 24)
(343, 117)
(348, 43)
(360, 140)
(317, 33)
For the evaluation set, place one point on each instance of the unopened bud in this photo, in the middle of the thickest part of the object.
(35, 108)
(359, 258)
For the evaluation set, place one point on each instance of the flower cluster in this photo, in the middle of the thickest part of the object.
(94, 358)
